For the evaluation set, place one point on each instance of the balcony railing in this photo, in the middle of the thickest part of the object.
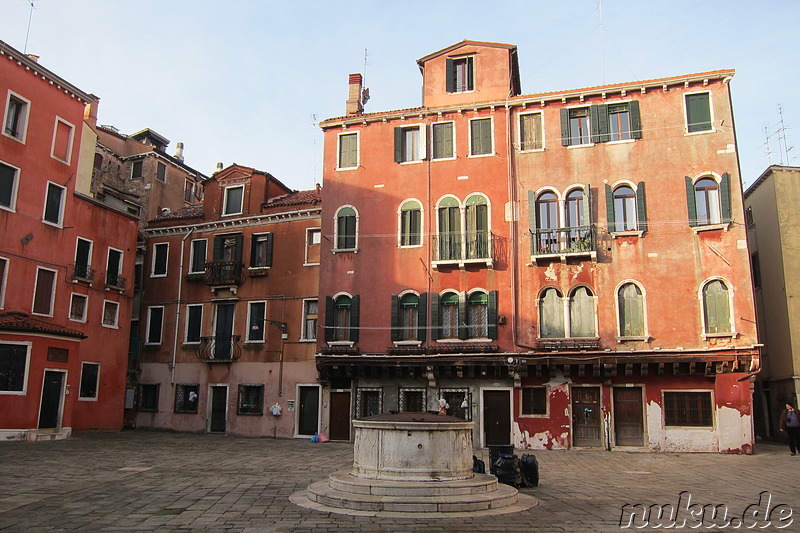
(220, 349)
(562, 241)
(115, 281)
(460, 247)
(82, 272)
(224, 273)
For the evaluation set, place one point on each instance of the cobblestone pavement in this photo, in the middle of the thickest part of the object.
(159, 481)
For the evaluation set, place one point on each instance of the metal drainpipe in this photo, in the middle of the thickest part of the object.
(178, 306)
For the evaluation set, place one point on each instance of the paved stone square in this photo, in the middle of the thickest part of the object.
(159, 481)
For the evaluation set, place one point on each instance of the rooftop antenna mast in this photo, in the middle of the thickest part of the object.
(602, 44)
(365, 91)
(769, 150)
(782, 145)
(30, 17)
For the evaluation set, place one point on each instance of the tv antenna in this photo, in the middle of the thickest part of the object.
(365, 91)
(783, 146)
(602, 45)
(30, 17)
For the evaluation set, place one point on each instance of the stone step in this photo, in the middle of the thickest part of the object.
(344, 481)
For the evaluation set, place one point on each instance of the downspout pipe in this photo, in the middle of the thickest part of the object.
(178, 306)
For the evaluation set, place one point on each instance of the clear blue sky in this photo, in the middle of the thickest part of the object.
(243, 80)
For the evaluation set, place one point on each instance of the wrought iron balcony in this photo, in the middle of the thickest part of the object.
(577, 240)
(224, 273)
(82, 273)
(220, 349)
(115, 281)
(458, 247)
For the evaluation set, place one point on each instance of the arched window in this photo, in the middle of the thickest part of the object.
(410, 224)
(574, 209)
(547, 223)
(341, 318)
(631, 311)
(408, 308)
(478, 314)
(706, 195)
(582, 313)
(346, 228)
(551, 315)
(449, 315)
(716, 307)
(625, 209)
(449, 245)
(477, 238)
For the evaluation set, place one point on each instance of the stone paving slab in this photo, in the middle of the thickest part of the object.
(159, 481)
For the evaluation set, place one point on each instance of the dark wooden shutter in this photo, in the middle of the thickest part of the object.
(43, 298)
(450, 77)
(239, 246)
(329, 318)
(641, 207)
(691, 202)
(398, 145)
(422, 317)
(636, 120)
(725, 197)
(492, 314)
(470, 73)
(565, 140)
(254, 251)
(355, 321)
(436, 320)
(597, 125)
(395, 318)
(463, 329)
(612, 225)
(270, 239)
(218, 241)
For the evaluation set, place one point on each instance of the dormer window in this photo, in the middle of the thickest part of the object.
(233, 200)
(460, 74)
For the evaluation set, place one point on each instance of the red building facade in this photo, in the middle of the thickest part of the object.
(65, 263)
(497, 253)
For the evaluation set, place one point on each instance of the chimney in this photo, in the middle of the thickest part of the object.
(179, 152)
(219, 166)
(354, 106)
(33, 57)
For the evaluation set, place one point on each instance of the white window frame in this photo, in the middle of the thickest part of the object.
(115, 325)
(85, 307)
(731, 316)
(588, 125)
(336, 248)
(491, 137)
(247, 338)
(69, 143)
(303, 319)
(14, 188)
(259, 240)
(186, 324)
(310, 232)
(225, 192)
(60, 223)
(91, 250)
(400, 224)
(541, 132)
(24, 127)
(4, 281)
(52, 291)
(546, 388)
(149, 323)
(24, 391)
(121, 260)
(454, 130)
(422, 143)
(191, 256)
(338, 150)
(686, 114)
(153, 273)
(646, 335)
(96, 386)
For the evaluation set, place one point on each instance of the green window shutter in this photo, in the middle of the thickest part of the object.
(422, 317)
(725, 197)
(691, 202)
(398, 145)
(598, 118)
(641, 207)
(470, 73)
(328, 319)
(564, 127)
(587, 205)
(395, 318)
(612, 226)
(698, 112)
(436, 321)
(492, 314)
(355, 322)
(636, 120)
(463, 330)
(450, 76)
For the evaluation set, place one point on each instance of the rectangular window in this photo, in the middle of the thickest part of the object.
(148, 397)
(15, 123)
(261, 250)
(443, 140)
(460, 74)
(197, 262)
(309, 320)
(54, 204)
(83, 260)
(188, 191)
(348, 150)
(748, 217)
(9, 176)
(579, 126)
(256, 313)
(114, 269)
(531, 135)
(77, 307)
(155, 320)
(160, 254)
(194, 321)
(44, 292)
(186, 398)
(137, 170)
(688, 409)
(13, 367)
(369, 402)
(313, 239)
(62, 140)
(534, 401)
(412, 400)
(619, 122)
(480, 136)
(251, 400)
(161, 172)
(409, 144)
(233, 200)
(90, 381)
(3, 280)
(110, 314)
(756, 270)
(698, 112)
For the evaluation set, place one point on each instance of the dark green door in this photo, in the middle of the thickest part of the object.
(51, 399)
(308, 415)
(219, 400)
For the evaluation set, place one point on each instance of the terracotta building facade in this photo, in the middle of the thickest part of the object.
(566, 269)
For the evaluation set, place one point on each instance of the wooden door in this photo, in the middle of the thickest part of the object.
(496, 417)
(219, 401)
(223, 332)
(586, 416)
(308, 413)
(52, 392)
(628, 416)
(340, 416)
